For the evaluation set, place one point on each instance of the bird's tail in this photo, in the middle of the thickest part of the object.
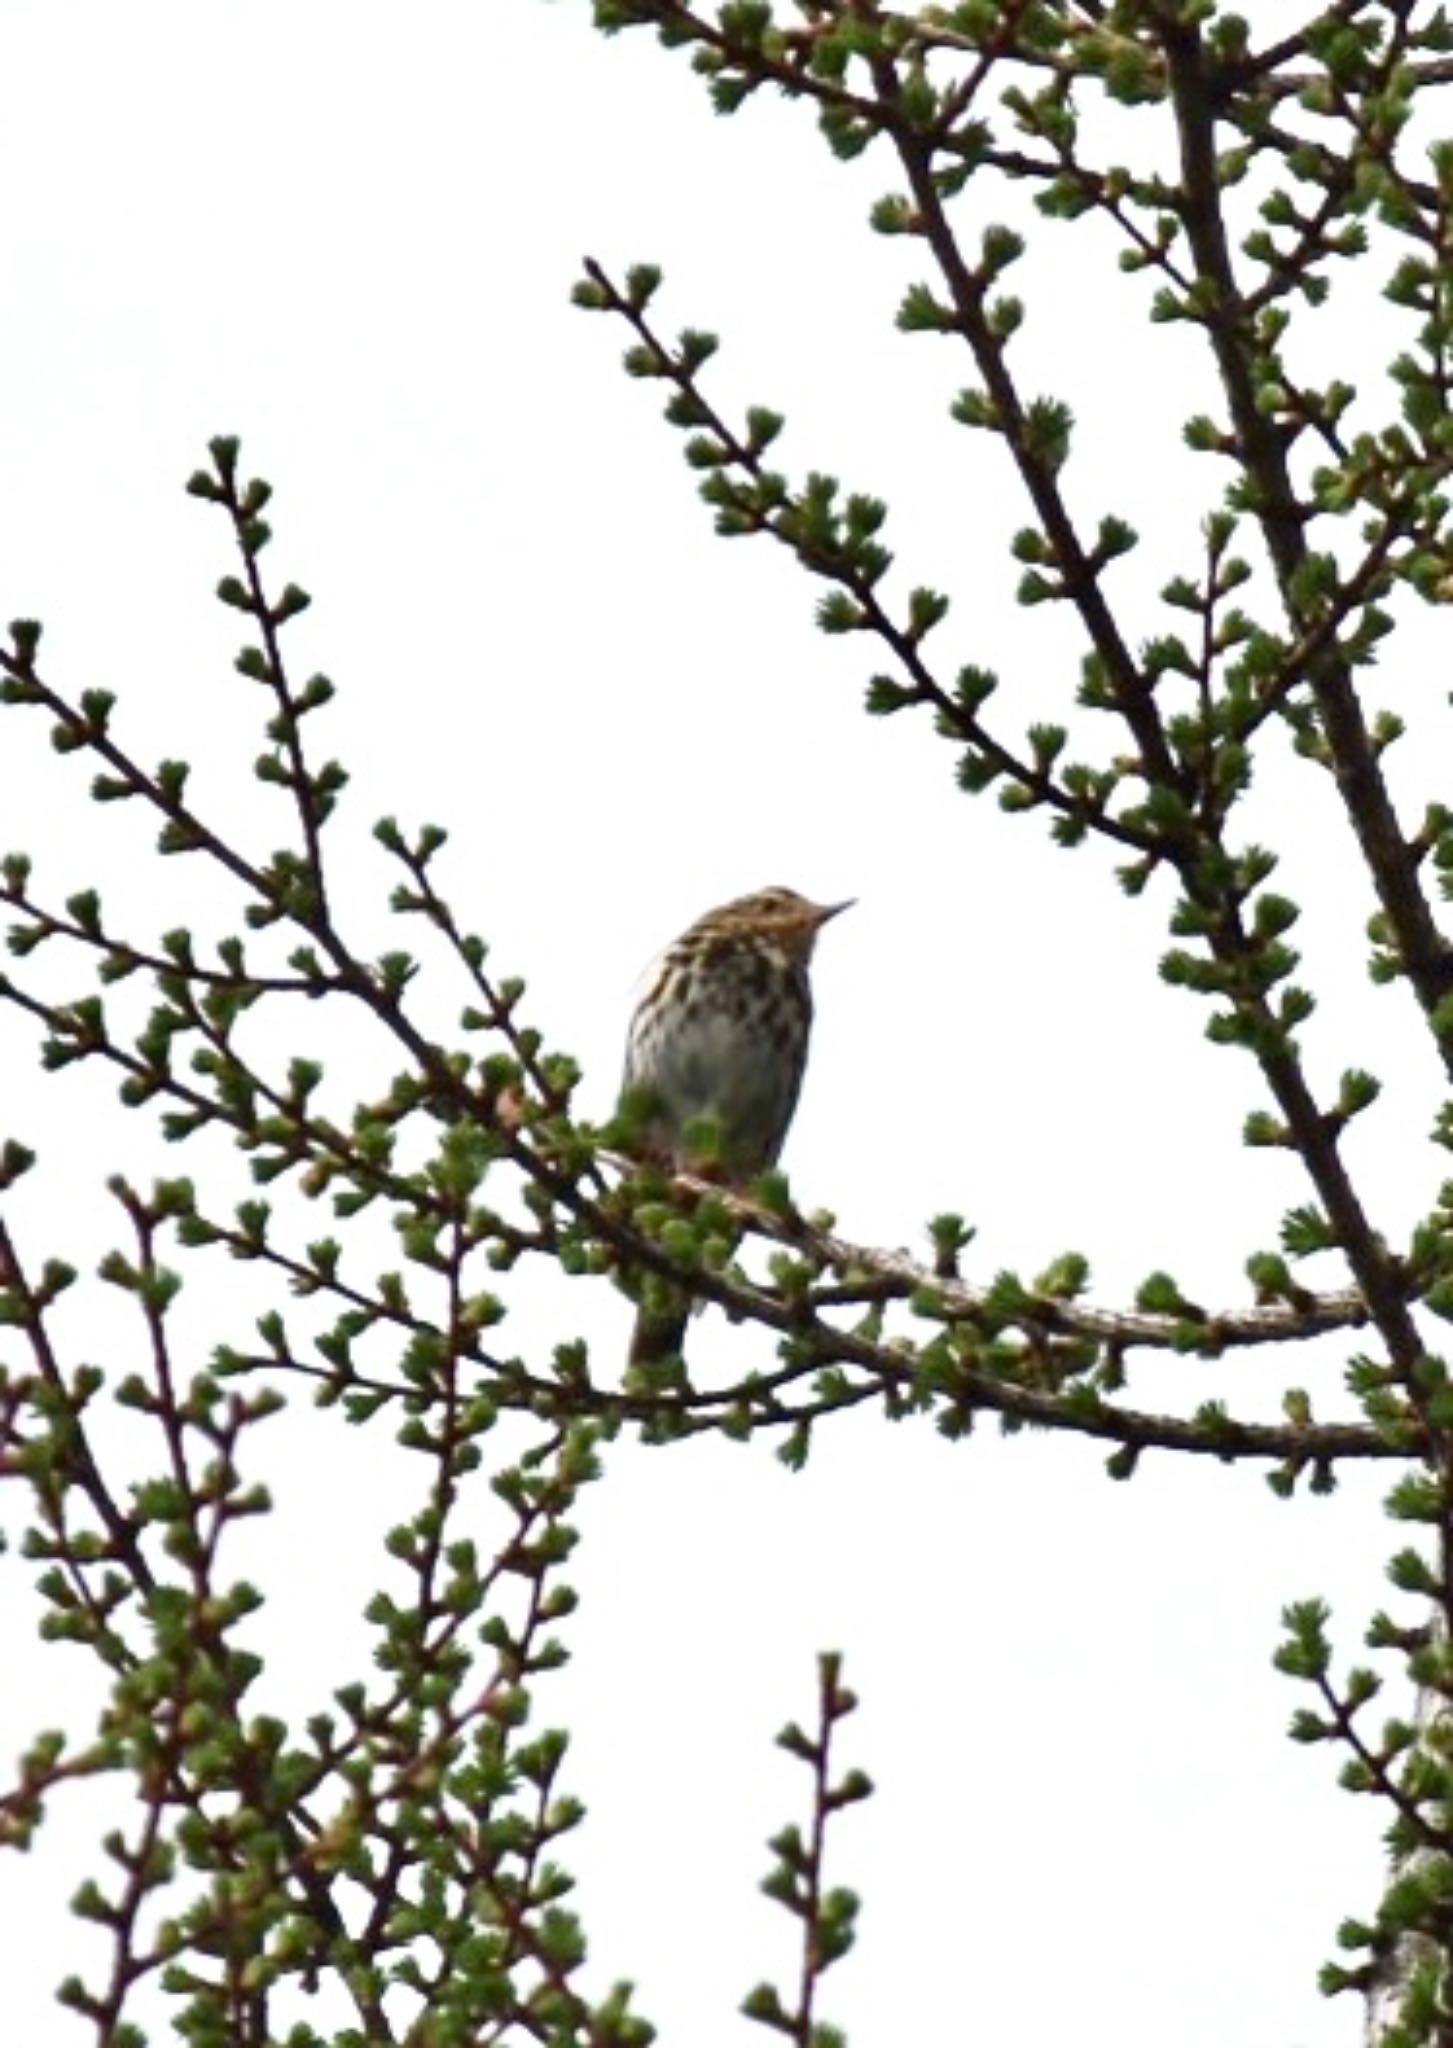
(658, 1336)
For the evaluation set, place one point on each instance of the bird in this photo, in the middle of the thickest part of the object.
(721, 1035)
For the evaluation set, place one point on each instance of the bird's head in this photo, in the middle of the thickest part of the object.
(779, 914)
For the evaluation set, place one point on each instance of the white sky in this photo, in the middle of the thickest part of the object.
(349, 234)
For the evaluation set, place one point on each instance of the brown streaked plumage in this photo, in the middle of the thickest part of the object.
(722, 1033)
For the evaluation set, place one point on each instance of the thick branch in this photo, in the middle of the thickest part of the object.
(1425, 953)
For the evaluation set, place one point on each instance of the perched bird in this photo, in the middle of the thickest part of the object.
(721, 1033)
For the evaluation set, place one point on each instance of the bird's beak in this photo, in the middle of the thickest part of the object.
(828, 910)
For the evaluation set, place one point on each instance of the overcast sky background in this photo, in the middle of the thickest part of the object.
(349, 234)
